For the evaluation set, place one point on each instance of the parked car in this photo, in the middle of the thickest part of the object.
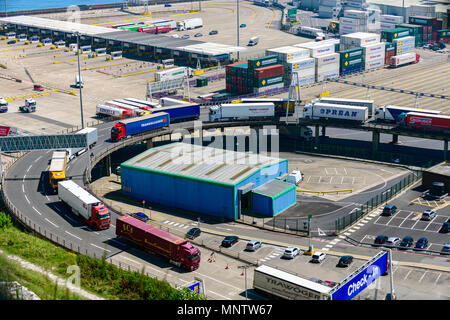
(330, 284)
(193, 233)
(445, 227)
(446, 249)
(422, 243)
(428, 215)
(393, 241)
(291, 252)
(406, 242)
(345, 261)
(38, 87)
(243, 25)
(380, 239)
(389, 210)
(213, 32)
(253, 245)
(185, 36)
(318, 257)
(198, 34)
(167, 5)
(229, 241)
(140, 216)
(175, 36)
(11, 42)
(316, 280)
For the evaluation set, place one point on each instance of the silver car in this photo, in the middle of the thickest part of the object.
(253, 245)
(428, 215)
(291, 252)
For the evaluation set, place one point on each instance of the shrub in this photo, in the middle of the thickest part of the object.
(5, 220)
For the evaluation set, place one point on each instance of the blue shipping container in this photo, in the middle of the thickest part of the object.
(181, 112)
(146, 123)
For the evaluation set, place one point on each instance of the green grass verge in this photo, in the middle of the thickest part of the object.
(96, 275)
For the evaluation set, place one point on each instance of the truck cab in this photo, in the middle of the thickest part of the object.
(118, 132)
(100, 217)
(79, 81)
(3, 105)
(190, 256)
(215, 114)
(30, 106)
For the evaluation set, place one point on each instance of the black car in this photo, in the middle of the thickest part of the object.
(380, 239)
(213, 32)
(229, 241)
(389, 210)
(345, 261)
(193, 233)
(406, 243)
(445, 227)
(11, 42)
(422, 243)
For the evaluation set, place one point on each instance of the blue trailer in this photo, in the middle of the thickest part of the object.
(183, 112)
(138, 125)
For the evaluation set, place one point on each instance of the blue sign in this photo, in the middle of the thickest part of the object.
(362, 280)
(195, 287)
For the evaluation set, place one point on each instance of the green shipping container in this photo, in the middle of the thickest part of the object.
(389, 46)
(262, 62)
(423, 21)
(443, 33)
(352, 62)
(390, 34)
(351, 53)
(259, 83)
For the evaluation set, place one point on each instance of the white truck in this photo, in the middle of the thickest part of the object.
(253, 41)
(83, 204)
(310, 32)
(30, 106)
(175, 73)
(91, 135)
(189, 24)
(79, 81)
(114, 112)
(347, 102)
(3, 105)
(169, 102)
(241, 111)
(327, 111)
(295, 177)
(390, 113)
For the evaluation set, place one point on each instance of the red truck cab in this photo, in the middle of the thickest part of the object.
(118, 132)
(38, 87)
(100, 217)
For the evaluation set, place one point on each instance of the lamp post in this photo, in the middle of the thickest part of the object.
(245, 267)
(79, 78)
(237, 19)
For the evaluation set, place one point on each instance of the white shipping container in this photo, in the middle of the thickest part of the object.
(358, 14)
(374, 48)
(360, 39)
(391, 18)
(326, 9)
(327, 68)
(271, 87)
(327, 75)
(374, 57)
(327, 59)
(333, 111)
(385, 25)
(303, 72)
(328, 3)
(318, 49)
(351, 21)
(406, 41)
(302, 80)
(289, 54)
(404, 58)
(374, 64)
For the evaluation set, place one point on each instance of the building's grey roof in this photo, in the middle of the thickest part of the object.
(203, 163)
(442, 169)
(273, 187)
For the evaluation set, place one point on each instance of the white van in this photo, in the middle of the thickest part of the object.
(78, 81)
(295, 177)
(253, 41)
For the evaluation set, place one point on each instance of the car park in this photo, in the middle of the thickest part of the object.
(229, 241)
(318, 257)
(422, 243)
(428, 215)
(345, 261)
(291, 252)
(406, 242)
(198, 34)
(380, 239)
(253, 245)
(446, 249)
(193, 233)
(393, 241)
(140, 216)
(213, 32)
(389, 210)
(445, 227)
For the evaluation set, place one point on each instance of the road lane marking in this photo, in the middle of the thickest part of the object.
(26, 198)
(29, 167)
(37, 211)
(38, 159)
(420, 280)
(100, 247)
(407, 274)
(23, 188)
(51, 223)
(73, 235)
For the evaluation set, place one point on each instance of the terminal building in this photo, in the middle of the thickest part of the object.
(208, 180)
(129, 43)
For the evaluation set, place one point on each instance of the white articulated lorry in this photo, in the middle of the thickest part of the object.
(85, 205)
(190, 24)
(91, 135)
(174, 73)
(241, 111)
(319, 111)
(390, 113)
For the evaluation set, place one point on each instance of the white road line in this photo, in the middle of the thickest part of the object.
(175, 224)
(420, 280)
(26, 198)
(113, 226)
(100, 247)
(325, 249)
(29, 167)
(167, 221)
(219, 295)
(51, 222)
(23, 188)
(171, 223)
(224, 283)
(73, 235)
(407, 274)
(37, 211)
(37, 159)
(435, 283)
(328, 246)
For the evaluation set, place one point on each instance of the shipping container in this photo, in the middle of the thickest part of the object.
(404, 59)
(327, 59)
(270, 71)
(262, 62)
(390, 34)
(317, 49)
(390, 113)
(129, 127)
(269, 81)
(301, 64)
(242, 111)
(358, 39)
(425, 121)
(288, 53)
(336, 112)
(425, 21)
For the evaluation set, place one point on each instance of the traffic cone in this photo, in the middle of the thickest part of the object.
(242, 273)
(226, 268)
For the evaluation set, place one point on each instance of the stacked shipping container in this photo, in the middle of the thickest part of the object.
(414, 30)
(351, 61)
(326, 60)
(429, 25)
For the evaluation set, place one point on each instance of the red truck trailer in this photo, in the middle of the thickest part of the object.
(427, 121)
(179, 251)
(404, 59)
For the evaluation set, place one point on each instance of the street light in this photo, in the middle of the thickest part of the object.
(237, 17)
(79, 79)
(245, 267)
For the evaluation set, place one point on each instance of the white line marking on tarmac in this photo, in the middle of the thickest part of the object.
(37, 211)
(219, 295)
(73, 235)
(29, 167)
(23, 188)
(100, 247)
(420, 280)
(26, 198)
(51, 222)
(132, 260)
